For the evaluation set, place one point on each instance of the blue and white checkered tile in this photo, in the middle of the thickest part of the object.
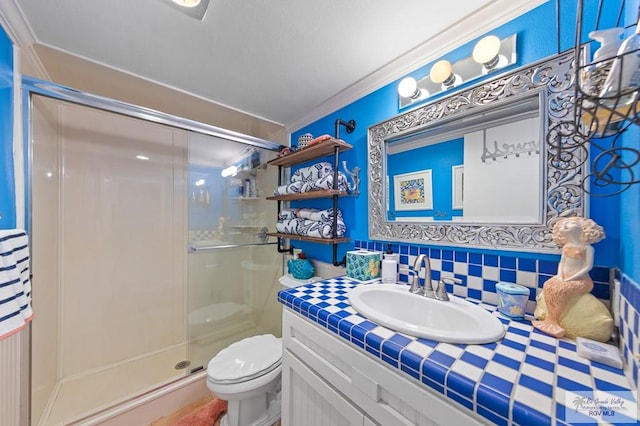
(629, 326)
(202, 234)
(522, 379)
(479, 272)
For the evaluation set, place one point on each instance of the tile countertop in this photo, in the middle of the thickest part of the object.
(526, 378)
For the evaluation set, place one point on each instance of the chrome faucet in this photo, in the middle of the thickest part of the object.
(440, 292)
(427, 290)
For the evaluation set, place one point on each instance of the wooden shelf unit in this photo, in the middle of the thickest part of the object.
(325, 193)
(330, 147)
(319, 150)
(311, 239)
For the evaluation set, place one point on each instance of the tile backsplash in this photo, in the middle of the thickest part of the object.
(479, 272)
(629, 325)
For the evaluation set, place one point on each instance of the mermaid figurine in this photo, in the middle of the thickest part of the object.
(575, 235)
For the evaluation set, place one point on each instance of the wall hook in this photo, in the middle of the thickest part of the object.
(355, 177)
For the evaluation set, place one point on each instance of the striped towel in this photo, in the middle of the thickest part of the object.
(15, 283)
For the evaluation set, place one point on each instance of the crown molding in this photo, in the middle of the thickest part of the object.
(21, 34)
(15, 24)
(492, 15)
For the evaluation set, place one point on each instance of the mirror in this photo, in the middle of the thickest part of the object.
(475, 168)
(456, 169)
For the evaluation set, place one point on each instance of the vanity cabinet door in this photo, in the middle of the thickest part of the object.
(309, 400)
(320, 366)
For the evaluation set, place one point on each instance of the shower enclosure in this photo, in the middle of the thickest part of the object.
(148, 253)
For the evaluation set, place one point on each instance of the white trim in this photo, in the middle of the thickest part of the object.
(457, 187)
(18, 142)
(497, 13)
(15, 24)
(21, 34)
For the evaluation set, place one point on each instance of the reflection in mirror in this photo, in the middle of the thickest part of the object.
(456, 170)
(475, 168)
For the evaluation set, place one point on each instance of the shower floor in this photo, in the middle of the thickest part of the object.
(78, 398)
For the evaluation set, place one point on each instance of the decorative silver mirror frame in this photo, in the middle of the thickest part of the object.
(564, 195)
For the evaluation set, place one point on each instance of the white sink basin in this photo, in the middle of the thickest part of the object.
(455, 321)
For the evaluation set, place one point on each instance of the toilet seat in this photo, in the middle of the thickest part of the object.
(246, 360)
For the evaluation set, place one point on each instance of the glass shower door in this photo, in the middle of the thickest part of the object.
(233, 270)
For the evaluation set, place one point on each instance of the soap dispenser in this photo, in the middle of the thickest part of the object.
(595, 74)
(610, 40)
(624, 76)
(390, 267)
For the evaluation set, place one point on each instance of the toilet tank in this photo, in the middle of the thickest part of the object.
(287, 281)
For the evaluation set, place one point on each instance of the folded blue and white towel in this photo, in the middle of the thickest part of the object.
(291, 188)
(318, 215)
(286, 214)
(310, 228)
(325, 182)
(313, 172)
(15, 282)
(310, 223)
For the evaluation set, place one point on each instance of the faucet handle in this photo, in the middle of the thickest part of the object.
(414, 281)
(441, 291)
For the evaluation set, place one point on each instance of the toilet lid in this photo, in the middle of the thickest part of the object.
(246, 359)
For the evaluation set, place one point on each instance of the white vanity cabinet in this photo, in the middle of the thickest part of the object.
(327, 381)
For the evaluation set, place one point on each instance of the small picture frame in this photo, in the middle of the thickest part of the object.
(413, 191)
(457, 187)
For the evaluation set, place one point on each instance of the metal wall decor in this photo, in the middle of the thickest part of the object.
(553, 79)
(599, 120)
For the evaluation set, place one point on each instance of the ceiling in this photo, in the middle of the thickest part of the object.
(279, 59)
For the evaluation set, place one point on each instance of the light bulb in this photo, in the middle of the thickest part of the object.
(187, 3)
(408, 88)
(486, 51)
(442, 72)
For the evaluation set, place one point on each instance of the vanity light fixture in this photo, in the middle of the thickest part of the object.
(489, 54)
(193, 8)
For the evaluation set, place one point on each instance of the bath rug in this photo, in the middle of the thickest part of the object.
(205, 415)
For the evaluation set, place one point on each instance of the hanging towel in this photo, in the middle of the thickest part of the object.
(15, 282)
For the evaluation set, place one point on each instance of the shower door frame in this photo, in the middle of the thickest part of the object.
(31, 86)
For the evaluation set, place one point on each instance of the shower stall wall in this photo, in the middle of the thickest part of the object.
(146, 260)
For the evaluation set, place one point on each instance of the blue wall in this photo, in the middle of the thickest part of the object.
(630, 199)
(535, 42)
(7, 183)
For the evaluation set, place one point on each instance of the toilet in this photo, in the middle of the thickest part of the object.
(247, 374)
